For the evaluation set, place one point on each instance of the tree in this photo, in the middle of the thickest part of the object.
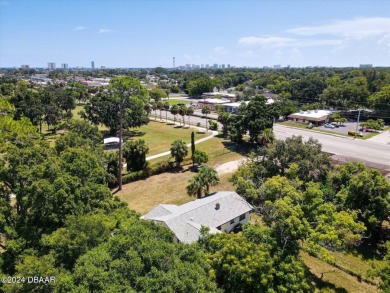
(182, 112)
(189, 112)
(104, 107)
(160, 106)
(157, 94)
(206, 111)
(365, 191)
(192, 147)
(199, 86)
(200, 157)
(287, 107)
(179, 151)
(174, 112)
(166, 107)
(266, 137)
(224, 119)
(153, 106)
(258, 117)
(202, 182)
(134, 152)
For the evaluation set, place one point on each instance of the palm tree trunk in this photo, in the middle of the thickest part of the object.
(207, 128)
(199, 193)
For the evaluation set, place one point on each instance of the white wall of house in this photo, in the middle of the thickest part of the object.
(229, 226)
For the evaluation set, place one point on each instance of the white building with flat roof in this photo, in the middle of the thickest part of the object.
(317, 117)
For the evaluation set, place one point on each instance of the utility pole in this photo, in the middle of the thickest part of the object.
(121, 106)
(357, 124)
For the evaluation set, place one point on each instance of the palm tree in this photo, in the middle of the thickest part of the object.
(166, 108)
(179, 151)
(266, 137)
(182, 112)
(160, 106)
(194, 187)
(174, 112)
(153, 105)
(189, 112)
(206, 111)
(202, 182)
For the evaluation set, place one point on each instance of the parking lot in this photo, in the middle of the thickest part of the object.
(343, 129)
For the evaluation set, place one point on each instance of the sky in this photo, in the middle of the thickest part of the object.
(148, 33)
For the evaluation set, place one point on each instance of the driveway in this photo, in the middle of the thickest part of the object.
(382, 138)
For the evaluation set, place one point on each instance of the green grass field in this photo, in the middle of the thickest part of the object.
(159, 136)
(175, 102)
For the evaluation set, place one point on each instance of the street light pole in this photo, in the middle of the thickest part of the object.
(357, 124)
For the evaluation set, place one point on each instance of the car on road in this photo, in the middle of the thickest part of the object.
(328, 125)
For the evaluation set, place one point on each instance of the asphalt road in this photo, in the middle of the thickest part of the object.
(361, 150)
(366, 151)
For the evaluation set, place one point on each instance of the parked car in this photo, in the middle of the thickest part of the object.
(335, 125)
(328, 125)
(353, 132)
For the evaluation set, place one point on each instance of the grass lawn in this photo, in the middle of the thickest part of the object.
(330, 277)
(372, 134)
(169, 188)
(219, 150)
(159, 136)
(175, 102)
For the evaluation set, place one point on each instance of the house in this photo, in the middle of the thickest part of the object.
(317, 117)
(221, 95)
(233, 107)
(211, 103)
(222, 211)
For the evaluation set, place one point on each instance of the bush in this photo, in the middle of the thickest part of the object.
(213, 125)
(134, 176)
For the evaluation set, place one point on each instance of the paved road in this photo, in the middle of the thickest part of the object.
(383, 138)
(364, 150)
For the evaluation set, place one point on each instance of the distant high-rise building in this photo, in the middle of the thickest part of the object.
(207, 66)
(201, 66)
(173, 62)
(365, 65)
(188, 66)
(277, 66)
(223, 66)
(64, 66)
(25, 66)
(51, 65)
(215, 65)
(93, 64)
(228, 66)
(102, 67)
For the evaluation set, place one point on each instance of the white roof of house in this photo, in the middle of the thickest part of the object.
(111, 140)
(313, 113)
(221, 94)
(214, 101)
(186, 220)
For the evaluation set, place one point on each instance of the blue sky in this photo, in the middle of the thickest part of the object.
(120, 33)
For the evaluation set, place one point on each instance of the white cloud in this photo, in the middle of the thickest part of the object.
(356, 28)
(269, 41)
(220, 50)
(105, 31)
(281, 42)
(80, 28)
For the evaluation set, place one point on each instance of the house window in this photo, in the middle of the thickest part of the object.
(232, 222)
(242, 217)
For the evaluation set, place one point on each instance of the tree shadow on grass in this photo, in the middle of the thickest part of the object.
(243, 148)
(326, 286)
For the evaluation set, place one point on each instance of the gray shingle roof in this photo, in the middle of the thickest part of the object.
(185, 220)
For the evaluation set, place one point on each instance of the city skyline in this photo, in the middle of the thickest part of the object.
(239, 33)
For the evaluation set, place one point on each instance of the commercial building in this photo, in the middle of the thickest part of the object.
(316, 117)
(51, 65)
(64, 65)
(93, 64)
